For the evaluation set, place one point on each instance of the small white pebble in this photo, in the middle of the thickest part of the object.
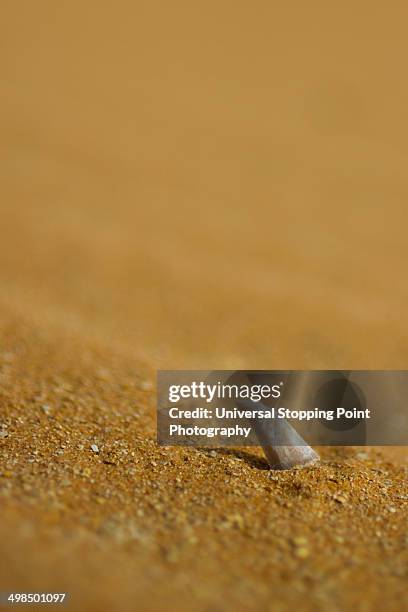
(3, 434)
(95, 448)
(362, 455)
(146, 385)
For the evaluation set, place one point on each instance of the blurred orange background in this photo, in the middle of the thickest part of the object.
(219, 184)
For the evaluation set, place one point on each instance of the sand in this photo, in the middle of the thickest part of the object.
(92, 506)
(196, 186)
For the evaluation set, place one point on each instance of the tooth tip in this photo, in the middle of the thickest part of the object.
(288, 457)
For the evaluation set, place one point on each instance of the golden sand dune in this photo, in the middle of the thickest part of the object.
(193, 185)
